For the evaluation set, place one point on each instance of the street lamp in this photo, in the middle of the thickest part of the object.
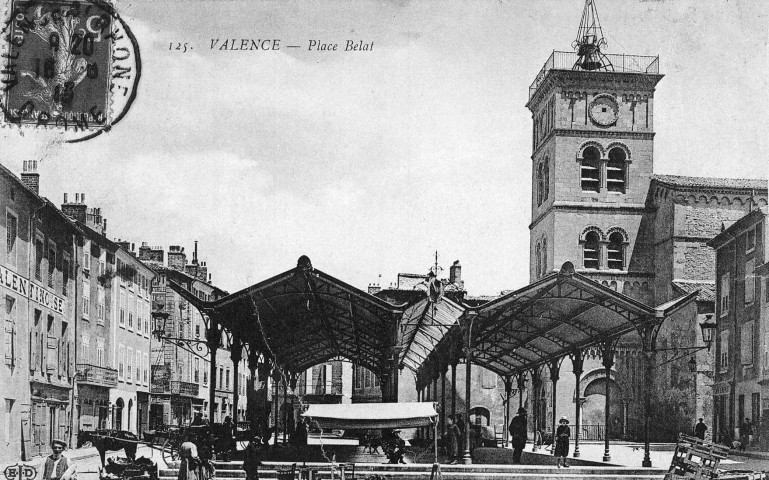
(159, 324)
(708, 328)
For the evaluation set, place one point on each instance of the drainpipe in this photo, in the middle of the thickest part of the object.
(73, 397)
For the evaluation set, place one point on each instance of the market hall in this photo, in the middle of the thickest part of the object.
(304, 317)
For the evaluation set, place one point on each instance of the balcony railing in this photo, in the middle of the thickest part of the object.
(620, 63)
(96, 375)
(175, 387)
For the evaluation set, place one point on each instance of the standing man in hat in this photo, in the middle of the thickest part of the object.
(57, 466)
(518, 432)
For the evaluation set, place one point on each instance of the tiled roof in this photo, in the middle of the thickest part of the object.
(707, 289)
(712, 182)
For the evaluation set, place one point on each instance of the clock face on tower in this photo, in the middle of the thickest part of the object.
(604, 110)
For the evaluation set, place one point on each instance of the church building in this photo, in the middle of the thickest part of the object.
(597, 203)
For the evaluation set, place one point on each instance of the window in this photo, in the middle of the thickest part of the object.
(138, 369)
(38, 259)
(101, 307)
(615, 170)
(87, 255)
(197, 371)
(85, 348)
(146, 369)
(724, 299)
(746, 343)
(227, 380)
(750, 280)
(546, 179)
(120, 361)
(131, 308)
(538, 261)
(488, 379)
(591, 250)
(615, 251)
(122, 309)
(8, 421)
(205, 376)
(750, 241)
(9, 332)
(129, 360)
(100, 352)
(540, 184)
(544, 256)
(51, 266)
(86, 299)
(64, 276)
(590, 170)
(221, 377)
(723, 360)
(11, 233)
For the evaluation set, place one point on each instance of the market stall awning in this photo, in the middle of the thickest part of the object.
(372, 416)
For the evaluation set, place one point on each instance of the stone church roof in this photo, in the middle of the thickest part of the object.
(707, 288)
(712, 182)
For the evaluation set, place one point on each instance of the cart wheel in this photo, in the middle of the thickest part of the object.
(170, 452)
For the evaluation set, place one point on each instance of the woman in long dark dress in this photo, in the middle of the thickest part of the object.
(453, 441)
(562, 434)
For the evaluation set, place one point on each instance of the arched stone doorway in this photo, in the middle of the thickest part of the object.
(119, 405)
(129, 424)
(480, 415)
(594, 407)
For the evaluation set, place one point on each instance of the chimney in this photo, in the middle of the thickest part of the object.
(195, 254)
(76, 210)
(209, 278)
(177, 259)
(29, 176)
(455, 274)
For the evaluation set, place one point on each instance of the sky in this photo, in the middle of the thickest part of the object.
(370, 162)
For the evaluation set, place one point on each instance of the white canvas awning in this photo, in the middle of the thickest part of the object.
(372, 415)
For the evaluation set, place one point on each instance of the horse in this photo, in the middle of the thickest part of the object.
(105, 440)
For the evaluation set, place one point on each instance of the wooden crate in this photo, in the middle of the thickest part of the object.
(695, 458)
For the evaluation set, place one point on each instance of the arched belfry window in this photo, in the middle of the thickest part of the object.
(616, 170)
(591, 250)
(546, 179)
(590, 170)
(615, 250)
(540, 185)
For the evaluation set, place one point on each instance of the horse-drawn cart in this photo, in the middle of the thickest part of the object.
(214, 442)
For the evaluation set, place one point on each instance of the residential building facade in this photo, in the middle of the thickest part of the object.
(742, 351)
(39, 294)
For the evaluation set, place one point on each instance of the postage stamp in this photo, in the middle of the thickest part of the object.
(72, 66)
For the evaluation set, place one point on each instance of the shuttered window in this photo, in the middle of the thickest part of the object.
(10, 331)
(11, 233)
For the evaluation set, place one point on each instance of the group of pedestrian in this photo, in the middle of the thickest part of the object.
(519, 433)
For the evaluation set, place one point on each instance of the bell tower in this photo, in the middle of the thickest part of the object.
(592, 157)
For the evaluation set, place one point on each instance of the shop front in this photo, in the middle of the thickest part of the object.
(50, 417)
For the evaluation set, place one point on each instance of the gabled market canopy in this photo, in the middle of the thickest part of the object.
(544, 321)
(363, 416)
(304, 317)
